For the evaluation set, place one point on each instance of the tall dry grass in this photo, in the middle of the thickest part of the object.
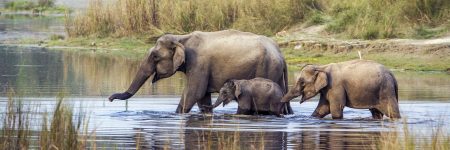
(15, 132)
(129, 17)
(373, 19)
(368, 19)
(60, 131)
(437, 139)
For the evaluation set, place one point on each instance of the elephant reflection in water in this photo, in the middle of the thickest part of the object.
(333, 139)
(202, 133)
(199, 133)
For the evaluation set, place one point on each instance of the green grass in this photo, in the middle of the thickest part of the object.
(368, 19)
(132, 47)
(392, 60)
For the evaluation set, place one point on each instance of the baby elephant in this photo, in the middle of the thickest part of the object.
(360, 84)
(255, 96)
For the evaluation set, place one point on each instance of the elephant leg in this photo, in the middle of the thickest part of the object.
(388, 101)
(242, 111)
(289, 109)
(376, 114)
(390, 109)
(194, 91)
(245, 105)
(322, 109)
(337, 100)
(205, 101)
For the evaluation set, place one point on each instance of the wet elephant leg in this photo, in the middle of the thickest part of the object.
(337, 99)
(390, 109)
(245, 105)
(205, 101)
(322, 109)
(194, 91)
(287, 110)
(376, 114)
(388, 101)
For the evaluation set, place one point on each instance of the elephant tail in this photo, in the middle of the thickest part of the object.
(396, 87)
(285, 78)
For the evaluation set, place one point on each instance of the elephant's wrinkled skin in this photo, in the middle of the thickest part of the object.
(360, 84)
(208, 59)
(255, 96)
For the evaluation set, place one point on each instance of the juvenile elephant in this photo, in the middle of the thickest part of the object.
(360, 84)
(255, 96)
(208, 59)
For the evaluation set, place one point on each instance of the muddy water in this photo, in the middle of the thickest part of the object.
(148, 120)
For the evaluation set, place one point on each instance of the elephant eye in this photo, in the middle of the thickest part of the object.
(301, 82)
(155, 56)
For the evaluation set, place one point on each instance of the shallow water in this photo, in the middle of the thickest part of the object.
(87, 78)
(22, 27)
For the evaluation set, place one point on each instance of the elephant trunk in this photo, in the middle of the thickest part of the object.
(218, 102)
(289, 96)
(142, 75)
(146, 70)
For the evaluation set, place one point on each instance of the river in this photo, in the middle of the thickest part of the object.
(147, 120)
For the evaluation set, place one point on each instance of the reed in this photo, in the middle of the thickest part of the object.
(60, 131)
(131, 17)
(405, 139)
(367, 19)
(16, 124)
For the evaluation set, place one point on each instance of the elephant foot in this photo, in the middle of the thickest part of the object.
(316, 115)
(376, 114)
(182, 110)
(206, 109)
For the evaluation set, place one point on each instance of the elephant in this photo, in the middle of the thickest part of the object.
(360, 84)
(208, 59)
(255, 96)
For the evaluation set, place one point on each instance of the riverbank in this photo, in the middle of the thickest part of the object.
(298, 48)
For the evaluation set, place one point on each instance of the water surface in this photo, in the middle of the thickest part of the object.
(87, 78)
(148, 120)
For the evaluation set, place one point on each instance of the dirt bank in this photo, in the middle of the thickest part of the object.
(434, 53)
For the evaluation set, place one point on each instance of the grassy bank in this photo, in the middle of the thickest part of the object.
(39, 6)
(364, 19)
(127, 25)
(137, 47)
(393, 60)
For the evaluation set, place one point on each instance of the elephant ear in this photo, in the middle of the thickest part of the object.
(321, 81)
(178, 56)
(237, 90)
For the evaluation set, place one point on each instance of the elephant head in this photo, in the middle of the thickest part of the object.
(309, 83)
(230, 91)
(162, 61)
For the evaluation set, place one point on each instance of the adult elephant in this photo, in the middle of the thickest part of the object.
(360, 84)
(208, 59)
